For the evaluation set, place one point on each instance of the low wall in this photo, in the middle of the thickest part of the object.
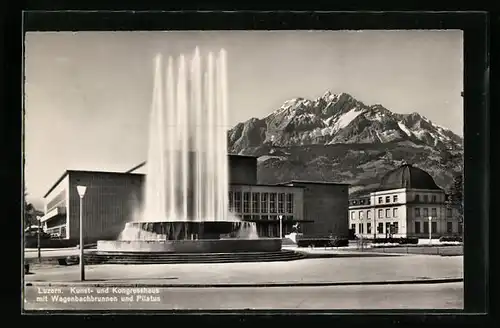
(191, 246)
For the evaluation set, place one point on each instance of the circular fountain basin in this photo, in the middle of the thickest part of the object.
(229, 245)
(185, 230)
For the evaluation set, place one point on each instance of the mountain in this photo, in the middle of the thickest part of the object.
(339, 138)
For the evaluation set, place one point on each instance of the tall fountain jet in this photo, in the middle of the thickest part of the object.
(187, 163)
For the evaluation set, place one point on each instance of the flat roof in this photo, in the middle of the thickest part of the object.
(65, 173)
(315, 182)
(138, 166)
(142, 174)
(264, 185)
(239, 155)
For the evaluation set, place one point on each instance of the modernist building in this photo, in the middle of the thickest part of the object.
(407, 204)
(112, 199)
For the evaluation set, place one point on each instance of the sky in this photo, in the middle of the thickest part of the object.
(88, 94)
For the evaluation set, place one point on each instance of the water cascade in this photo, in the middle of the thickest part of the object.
(187, 178)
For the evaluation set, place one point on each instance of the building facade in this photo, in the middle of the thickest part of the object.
(326, 207)
(109, 202)
(408, 203)
(266, 205)
(113, 199)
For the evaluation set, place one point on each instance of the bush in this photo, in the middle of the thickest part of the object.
(323, 242)
(385, 241)
(406, 241)
(320, 242)
(401, 241)
(450, 238)
(339, 242)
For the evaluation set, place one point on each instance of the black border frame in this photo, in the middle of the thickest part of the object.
(476, 116)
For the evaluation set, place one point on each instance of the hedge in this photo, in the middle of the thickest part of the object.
(451, 238)
(323, 242)
(402, 241)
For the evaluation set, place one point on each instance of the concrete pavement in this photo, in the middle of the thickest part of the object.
(306, 271)
(440, 296)
(395, 250)
(32, 253)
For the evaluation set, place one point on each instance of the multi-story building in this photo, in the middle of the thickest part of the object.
(113, 198)
(408, 203)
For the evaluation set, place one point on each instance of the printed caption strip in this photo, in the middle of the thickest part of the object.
(72, 298)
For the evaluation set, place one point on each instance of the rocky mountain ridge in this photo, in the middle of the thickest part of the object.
(339, 138)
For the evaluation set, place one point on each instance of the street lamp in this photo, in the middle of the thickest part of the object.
(430, 230)
(281, 226)
(39, 221)
(81, 193)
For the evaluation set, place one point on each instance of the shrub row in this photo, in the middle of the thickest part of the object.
(402, 241)
(323, 242)
(451, 238)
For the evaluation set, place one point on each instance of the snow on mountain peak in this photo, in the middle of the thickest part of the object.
(346, 118)
(340, 118)
(405, 129)
(329, 96)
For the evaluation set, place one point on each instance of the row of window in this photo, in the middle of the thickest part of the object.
(261, 202)
(426, 199)
(433, 198)
(418, 227)
(390, 228)
(388, 199)
(58, 232)
(56, 200)
(425, 212)
(388, 213)
(266, 217)
(434, 227)
(362, 201)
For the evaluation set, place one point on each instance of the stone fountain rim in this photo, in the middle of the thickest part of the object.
(180, 241)
(192, 221)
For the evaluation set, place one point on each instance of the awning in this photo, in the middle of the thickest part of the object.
(54, 212)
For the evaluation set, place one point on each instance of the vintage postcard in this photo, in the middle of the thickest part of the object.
(310, 169)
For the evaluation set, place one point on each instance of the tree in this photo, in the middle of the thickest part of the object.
(29, 212)
(456, 195)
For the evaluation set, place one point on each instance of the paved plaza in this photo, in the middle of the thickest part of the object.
(306, 271)
(32, 253)
(311, 283)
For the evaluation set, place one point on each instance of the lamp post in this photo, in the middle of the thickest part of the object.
(361, 238)
(281, 226)
(430, 230)
(81, 193)
(38, 240)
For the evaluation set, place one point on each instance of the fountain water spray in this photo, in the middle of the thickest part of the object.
(187, 177)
